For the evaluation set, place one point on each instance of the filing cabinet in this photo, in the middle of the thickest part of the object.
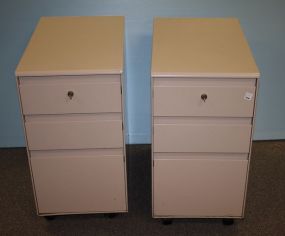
(204, 86)
(70, 84)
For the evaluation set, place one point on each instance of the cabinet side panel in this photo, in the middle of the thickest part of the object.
(251, 140)
(27, 145)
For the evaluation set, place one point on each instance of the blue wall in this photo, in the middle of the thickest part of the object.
(262, 21)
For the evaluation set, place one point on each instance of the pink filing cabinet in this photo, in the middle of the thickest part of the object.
(70, 84)
(204, 85)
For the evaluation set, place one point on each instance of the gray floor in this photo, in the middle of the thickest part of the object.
(265, 209)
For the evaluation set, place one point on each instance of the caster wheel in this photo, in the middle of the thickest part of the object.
(167, 221)
(49, 218)
(228, 221)
(111, 215)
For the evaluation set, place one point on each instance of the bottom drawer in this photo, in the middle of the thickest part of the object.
(78, 182)
(199, 188)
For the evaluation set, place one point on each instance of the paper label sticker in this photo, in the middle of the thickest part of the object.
(248, 96)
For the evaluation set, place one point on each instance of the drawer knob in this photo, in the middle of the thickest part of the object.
(204, 97)
(70, 94)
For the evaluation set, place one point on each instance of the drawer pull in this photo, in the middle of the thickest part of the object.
(70, 94)
(204, 97)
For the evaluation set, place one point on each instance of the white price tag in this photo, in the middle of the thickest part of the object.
(248, 96)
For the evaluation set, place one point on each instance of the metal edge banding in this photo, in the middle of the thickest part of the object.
(208, 75)
(203, 81)
(104, 116)
(124, 141)
(73, 79)
(196, 217)
(84, 153)
(122, 85)
(212, 120)
(63, 73)
(151, 84)
(78, 213)
(152, 144)
(199, 156)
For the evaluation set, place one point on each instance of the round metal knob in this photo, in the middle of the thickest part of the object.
(204, 97)
(70, 94)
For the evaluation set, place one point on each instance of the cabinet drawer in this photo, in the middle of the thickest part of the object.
(184, 98)
(60, 95)
(74, 132)
(78, 182)
(199, 188)
(209, 135)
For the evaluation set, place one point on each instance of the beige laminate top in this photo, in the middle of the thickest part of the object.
(201, 47)
(74, 45)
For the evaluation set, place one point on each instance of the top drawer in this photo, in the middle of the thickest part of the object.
(222, 97)
(70, 94)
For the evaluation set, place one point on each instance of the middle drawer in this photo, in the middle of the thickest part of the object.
(201, 134)
(74, 131)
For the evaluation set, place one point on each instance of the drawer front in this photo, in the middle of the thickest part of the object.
(202, 137)
(73, 133)
(69, 95)
(185, 99)
(199, 188)
(79, 183)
